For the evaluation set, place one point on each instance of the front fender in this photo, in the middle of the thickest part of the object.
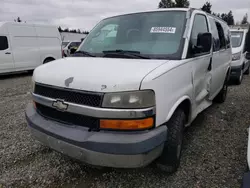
(176, 105)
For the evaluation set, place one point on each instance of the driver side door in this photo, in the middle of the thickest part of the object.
(201, 63)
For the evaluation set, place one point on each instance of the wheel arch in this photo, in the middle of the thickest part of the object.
(49, 58)
(183, 103)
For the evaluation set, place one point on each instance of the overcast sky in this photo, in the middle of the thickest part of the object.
(84, 14)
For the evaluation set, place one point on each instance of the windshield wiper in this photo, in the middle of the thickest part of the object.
(84, 53)
(126, 53)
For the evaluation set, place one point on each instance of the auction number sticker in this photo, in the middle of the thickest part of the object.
(163, 30)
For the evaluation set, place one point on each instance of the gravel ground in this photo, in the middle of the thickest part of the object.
(214, 153)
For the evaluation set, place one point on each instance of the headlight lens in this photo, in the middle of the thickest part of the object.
(236, 56)
(129, 100)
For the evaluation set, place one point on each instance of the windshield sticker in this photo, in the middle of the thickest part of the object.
(163, 30)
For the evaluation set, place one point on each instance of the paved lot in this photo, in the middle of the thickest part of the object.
(214, 154)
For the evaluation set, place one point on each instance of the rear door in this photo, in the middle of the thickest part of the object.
(225, 57)
(6, 58)
(219, 47)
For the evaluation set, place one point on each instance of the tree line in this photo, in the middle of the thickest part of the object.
(207, 7)
(67, 30)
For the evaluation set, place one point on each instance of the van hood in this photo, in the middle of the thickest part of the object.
(96, 74)
(236, 50)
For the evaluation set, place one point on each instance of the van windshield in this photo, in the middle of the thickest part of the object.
(157, 35)
(237, 37)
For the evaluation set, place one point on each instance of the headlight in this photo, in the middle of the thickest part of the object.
(129, 100)
(236, 56)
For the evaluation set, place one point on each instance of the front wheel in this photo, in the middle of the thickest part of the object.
(240, 78)
(169, 161)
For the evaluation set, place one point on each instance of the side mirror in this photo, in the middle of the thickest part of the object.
(204, 43)
(248, 56)
(72, 50)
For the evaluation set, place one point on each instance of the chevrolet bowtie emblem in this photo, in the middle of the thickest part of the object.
(60, 105)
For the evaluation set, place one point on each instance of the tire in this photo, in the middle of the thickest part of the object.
(240, 78)
(169, 161)
(221, 97)
(48, 60)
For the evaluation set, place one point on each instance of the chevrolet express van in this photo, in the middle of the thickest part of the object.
(25, 46)
(240, 65)
(124, 100)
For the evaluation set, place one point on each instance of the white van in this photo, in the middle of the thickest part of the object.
(26, 46)
(124, 100)
(240, 65)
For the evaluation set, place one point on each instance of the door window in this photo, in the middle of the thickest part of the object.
(227, 36)
(3, 43)
(216, 39)
(200, 26)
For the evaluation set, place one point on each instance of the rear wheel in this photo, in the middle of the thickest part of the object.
(48, 60)
(221, 97)
(169, 161)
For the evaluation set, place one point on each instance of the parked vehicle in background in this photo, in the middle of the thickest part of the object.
(127, 97)
(26, 46)
(240, 65)
(70, 47)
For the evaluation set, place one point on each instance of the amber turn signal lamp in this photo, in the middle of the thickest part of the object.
(127, 124)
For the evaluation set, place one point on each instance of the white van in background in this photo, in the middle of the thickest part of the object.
(240, 65)
(26, 46)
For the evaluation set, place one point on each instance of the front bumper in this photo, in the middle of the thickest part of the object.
(104, 148)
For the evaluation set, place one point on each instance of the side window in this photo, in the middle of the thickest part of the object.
(200, 26)
(221, 35)
(227, 36)
(216, 39)
(3, 43)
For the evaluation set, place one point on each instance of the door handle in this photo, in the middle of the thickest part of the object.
(8, 53)
(210, 64)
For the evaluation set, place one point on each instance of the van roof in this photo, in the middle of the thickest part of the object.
(168, 9)
(27, 24)
(158, 10)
